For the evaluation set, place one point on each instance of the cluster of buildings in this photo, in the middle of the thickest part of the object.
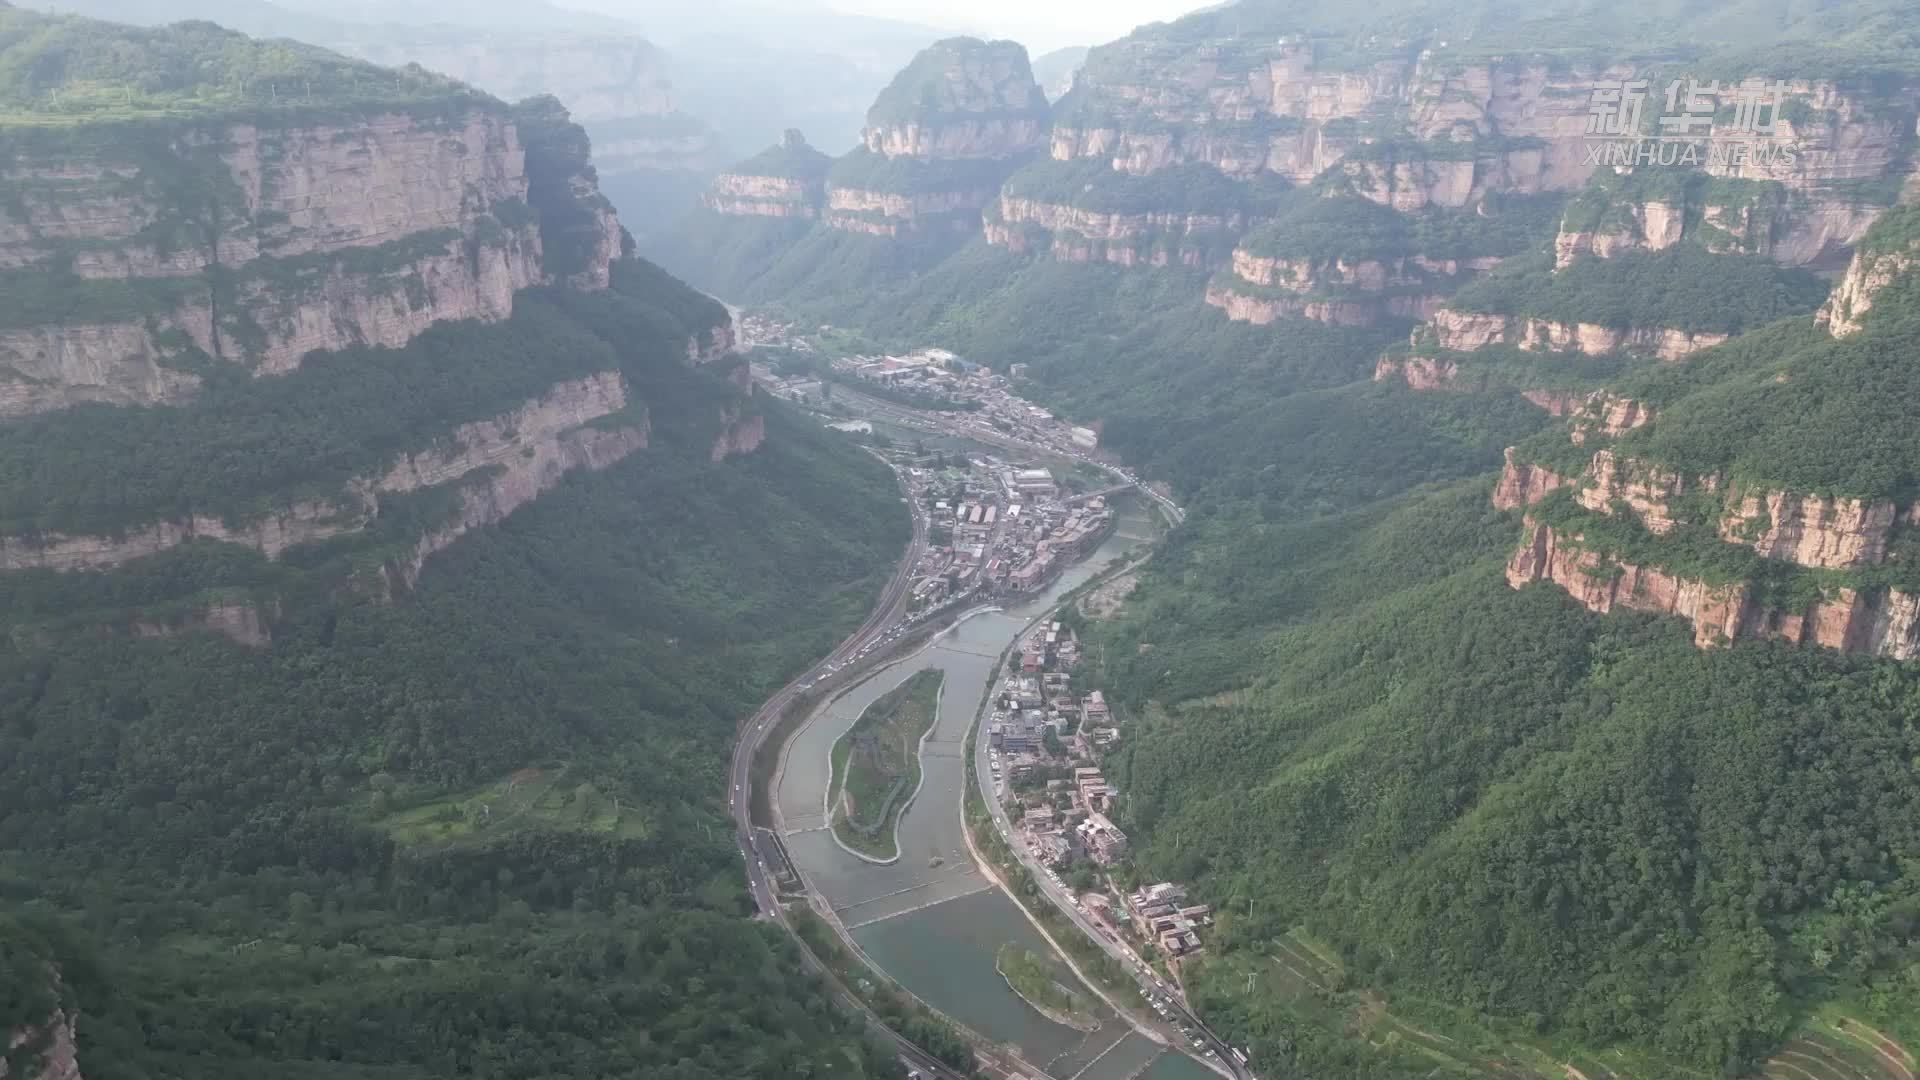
(1161, 914)
(996, 529)
(934, 373)
(1045, 743)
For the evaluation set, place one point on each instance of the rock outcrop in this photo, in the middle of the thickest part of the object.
(322, 236)
(1465, 331)
(49, 1048)
(240, 621)
(1890, 251)
(1146, 104)
(1717, 612)
(784, 181)
(1607, 414)
(1522, 484)
(1883, 622)
(1343, 291)
(1646, 226)
(1646, 490)
(1260, 309)
(1074, 234)
(1811, 530)
(536, 467)
(939, 141)
(1418, 372)
(742, 430)
(522, 452)
(961, 98)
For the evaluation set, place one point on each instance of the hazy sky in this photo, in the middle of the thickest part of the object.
(1039, 24)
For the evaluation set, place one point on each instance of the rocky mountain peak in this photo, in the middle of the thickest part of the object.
(960, 98)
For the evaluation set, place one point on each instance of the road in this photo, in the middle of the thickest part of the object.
(883, 623)
(1180, 1019)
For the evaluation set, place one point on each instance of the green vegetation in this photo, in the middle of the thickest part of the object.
(876, 764)
(1896, 230)
(1046, 986)
(1487, 798)
(925, 90)
(863, 170)
(1761, 38)
(1191, 188)
(1351, 228)
(1612, 201)
(245, 445)
(1450, 827)
(62, 71)
(792, 157)
(1793, 408)
(478, 828)
(1681, 288)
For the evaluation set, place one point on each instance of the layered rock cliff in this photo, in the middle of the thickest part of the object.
(517, 455)
(939, 141)
(1878, 622)
(960, 98)
(1466, 330)
(785, 181)
(1344, 292)
(1088, 212)
(328, 235)
(136, 255)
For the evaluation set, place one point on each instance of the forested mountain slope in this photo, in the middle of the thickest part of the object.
(1463, 417)
(380, 600)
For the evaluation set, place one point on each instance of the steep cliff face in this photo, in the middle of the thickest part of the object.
(741, 432)
(326, 236)
(960, 98)
(1418, 372)
(1805, 223)
(784, 181)
(519, 453)
(536, 467)
(1074, 234)
(1882, 622)
(1718, 613)
(1247, 108)
(1522, 484)
(1890, 250)
(1338, 290)
(1646, 490)
(1466, 331)
(1241, 305)
(1811, 530)
(257, 243)
(939, 141)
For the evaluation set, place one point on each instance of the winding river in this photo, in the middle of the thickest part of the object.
(931, 920)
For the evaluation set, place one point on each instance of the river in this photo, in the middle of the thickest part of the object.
(931, 920)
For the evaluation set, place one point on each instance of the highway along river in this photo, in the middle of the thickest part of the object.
(931, 920)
